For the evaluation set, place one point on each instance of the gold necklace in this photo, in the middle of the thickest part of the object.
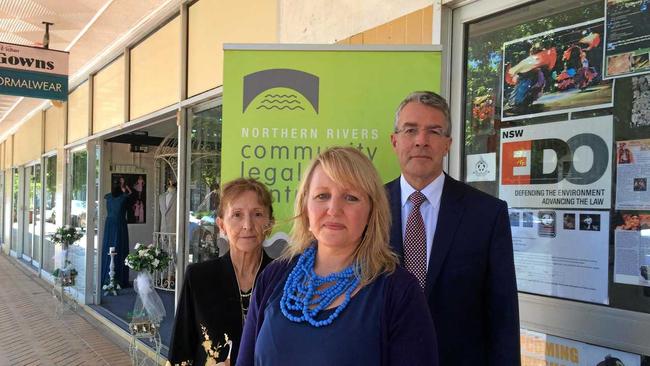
(244, 310)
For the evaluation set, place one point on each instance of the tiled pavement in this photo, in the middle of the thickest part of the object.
(32, 334)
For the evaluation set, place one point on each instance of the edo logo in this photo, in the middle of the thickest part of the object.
(551, 160)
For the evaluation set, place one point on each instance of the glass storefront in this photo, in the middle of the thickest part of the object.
(546, 131)
(95, 223)
(33, 212)
(204, 171)
(15, 240)
(50, 219)
(28, 213)
(78, 213)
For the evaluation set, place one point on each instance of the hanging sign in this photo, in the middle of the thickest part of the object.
(33, 72)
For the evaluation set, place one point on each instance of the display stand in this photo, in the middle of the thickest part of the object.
(148, 312)
(166, 167)
(144, 329)
(111, 287)
(166, 279)
(64, 282)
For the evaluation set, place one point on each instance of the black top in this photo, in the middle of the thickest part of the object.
(209, 307)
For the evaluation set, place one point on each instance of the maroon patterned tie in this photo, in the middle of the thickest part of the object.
(415, 240)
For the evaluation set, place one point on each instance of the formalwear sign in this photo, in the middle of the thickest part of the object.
(33, 72)
(283, 104)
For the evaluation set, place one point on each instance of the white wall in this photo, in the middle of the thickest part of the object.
(328, 21)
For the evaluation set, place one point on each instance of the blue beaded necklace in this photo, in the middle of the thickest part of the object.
(301, 291)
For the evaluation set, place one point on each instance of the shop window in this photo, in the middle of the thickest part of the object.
(205, 147)
(49, 217)
(14, 209)
(567, 147)
(78, 212)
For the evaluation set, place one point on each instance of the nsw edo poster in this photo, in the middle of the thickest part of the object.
(284, 104)
(563, 164)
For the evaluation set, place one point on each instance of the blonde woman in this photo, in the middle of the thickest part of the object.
(338, 297)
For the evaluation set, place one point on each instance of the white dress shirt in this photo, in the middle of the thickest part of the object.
(429, 208)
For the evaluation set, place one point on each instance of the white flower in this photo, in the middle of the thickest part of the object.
(137, 246)
(156, 262)
(157, 251)
(150, 245)
(142, 252)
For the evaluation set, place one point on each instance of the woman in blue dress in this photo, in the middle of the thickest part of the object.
(116, 234)
(338, 296)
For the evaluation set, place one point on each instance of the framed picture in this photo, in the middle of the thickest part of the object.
(135, 185)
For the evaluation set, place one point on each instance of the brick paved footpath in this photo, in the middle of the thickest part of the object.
(31, 333)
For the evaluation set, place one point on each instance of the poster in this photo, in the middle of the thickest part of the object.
(632, 173)
(554, 72)
(481, 168)
(640, 102)
(561, 253)
(557, 165)
(539, 349)
(135, 186)
(627, 38)
(632, 249)
(283, 104)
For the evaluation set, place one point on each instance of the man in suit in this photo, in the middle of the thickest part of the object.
(458, 243)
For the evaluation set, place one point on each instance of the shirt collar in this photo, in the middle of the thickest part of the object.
(433, 191)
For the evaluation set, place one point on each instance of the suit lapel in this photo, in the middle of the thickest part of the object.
(451, 211)
(171, 203)
(395, 198)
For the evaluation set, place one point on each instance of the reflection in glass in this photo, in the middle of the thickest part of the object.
(484, 70)
(50, 213)
(96, 216)
(35, 203)
(14, 210)
(203, 234)
(78, 189)
(28, 218)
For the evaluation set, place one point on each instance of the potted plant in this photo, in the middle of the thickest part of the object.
(66, 236)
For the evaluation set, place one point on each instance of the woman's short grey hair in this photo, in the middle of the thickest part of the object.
(430, 99)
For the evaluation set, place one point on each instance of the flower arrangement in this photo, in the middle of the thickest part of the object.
(66, 235)
(147, 258)
(67, 275)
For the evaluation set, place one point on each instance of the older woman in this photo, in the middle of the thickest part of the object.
(338, 297)
(216, 294)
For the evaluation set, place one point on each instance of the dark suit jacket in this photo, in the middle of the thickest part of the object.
(471, 286)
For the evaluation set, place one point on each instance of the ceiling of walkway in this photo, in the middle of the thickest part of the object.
(88, 29)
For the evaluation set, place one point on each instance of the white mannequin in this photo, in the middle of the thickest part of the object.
(167, 205)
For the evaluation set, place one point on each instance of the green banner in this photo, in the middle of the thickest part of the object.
(281, 107)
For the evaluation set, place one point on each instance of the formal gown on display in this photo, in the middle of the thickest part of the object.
(116, 234)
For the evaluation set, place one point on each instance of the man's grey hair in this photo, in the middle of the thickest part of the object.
(430, 99)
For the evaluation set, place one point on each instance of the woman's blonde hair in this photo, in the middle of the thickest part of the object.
(351, 169)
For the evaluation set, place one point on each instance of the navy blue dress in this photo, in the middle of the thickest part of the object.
(116, 234)
(283, 342)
